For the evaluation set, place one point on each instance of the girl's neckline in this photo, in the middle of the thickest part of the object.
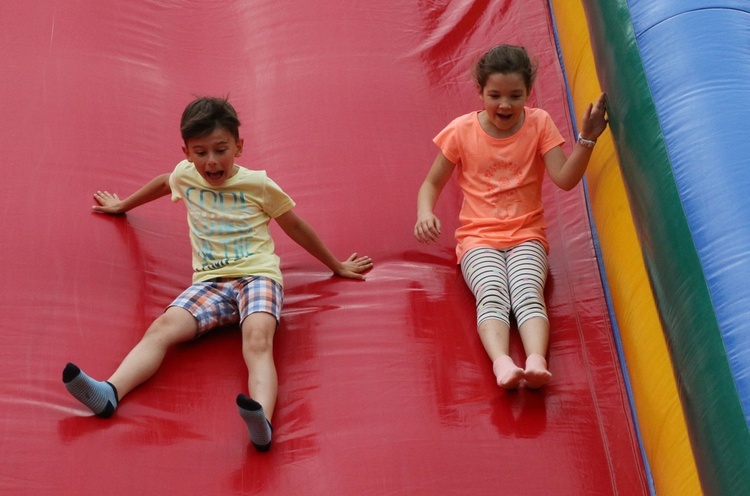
(478, 121)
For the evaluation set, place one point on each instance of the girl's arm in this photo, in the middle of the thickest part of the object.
(428, 227)
(305, 236)
(110, 203)
(566, 172)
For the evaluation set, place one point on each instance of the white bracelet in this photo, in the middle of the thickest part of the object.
(586, 142)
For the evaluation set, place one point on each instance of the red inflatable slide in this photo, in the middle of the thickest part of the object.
(384, 387)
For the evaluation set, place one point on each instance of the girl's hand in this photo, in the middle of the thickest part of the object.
(595, 119)
(108, 203)
(427, 229)
(353, 267)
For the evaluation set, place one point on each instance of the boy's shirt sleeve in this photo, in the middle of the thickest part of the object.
(275, 201)
(178, 171)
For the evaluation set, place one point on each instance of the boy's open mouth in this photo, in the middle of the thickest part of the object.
(214, 174)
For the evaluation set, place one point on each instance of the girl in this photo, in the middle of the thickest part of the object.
(500, 154)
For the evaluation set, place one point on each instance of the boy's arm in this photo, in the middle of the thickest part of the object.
(110, 203)
(305, 236)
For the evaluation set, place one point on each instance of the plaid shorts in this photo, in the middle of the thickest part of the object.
(221, 302)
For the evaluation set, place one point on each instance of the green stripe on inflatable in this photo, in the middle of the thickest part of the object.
(716, 423)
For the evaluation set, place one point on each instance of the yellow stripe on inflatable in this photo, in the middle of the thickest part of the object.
(658, 409)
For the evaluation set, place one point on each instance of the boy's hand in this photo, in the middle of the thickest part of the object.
(595, 119)
(353, 267)
(109, 203)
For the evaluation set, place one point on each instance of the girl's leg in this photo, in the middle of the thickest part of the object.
(527, 274)
(257, 349)
(495, 337)
(484, 271)
(535, 337)
(175, 325)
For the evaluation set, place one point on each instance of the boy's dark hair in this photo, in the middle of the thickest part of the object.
(505, 59)
(205, 114)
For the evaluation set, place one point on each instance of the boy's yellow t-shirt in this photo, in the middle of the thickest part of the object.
(229, 224)
(501, 180)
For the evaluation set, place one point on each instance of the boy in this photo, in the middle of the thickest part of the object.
(236, 275)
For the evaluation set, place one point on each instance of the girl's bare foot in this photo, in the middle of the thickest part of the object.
(508, 375)
(536, 373)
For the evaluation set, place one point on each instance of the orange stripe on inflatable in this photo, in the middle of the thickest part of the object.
(658, 409)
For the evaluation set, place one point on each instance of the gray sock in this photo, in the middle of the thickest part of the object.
(257, 424)
(99, 396)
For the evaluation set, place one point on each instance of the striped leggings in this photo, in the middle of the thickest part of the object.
(505, 280)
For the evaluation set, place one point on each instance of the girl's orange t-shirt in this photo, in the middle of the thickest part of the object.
(501, 180)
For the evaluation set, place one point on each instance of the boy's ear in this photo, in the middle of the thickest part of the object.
(186, 152)
(240, 142)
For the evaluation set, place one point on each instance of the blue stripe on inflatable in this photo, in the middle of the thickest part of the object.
(696, 57)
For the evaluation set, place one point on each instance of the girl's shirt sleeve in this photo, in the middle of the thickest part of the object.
(448, 140)
(551, 136)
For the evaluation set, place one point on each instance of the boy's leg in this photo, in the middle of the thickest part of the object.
(100, 396)
(256, 410)
(174, 326)
(258, 425)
